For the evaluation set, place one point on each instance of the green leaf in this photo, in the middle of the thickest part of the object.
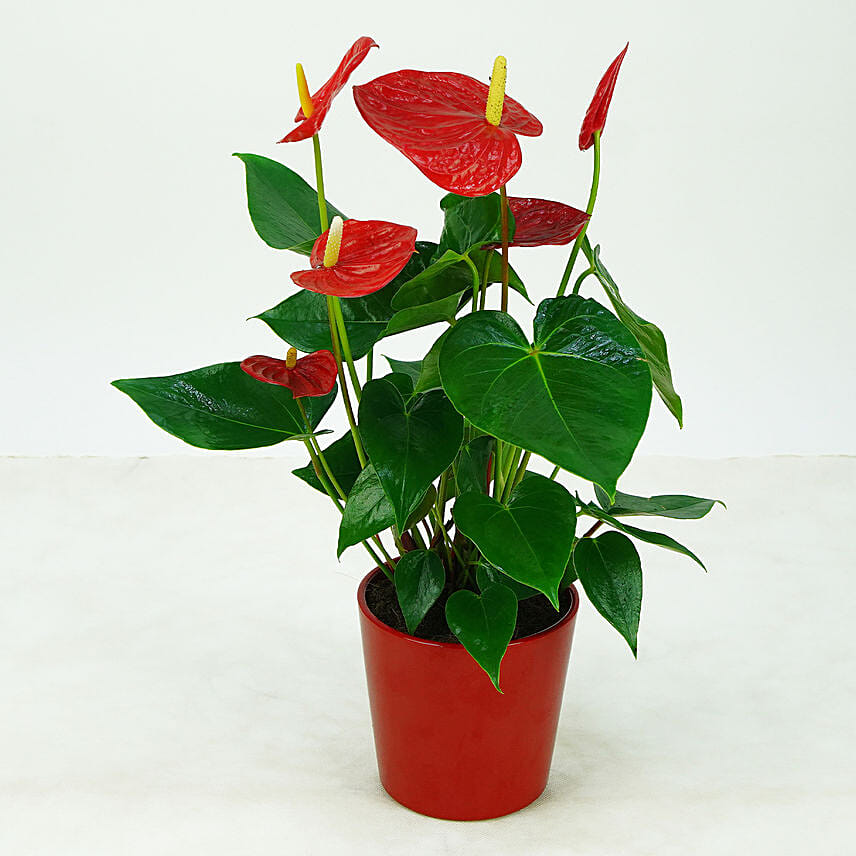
(649, 336)
(419, 579)
(429, 376)
(611, 574)
(411, 368)
(301, 320)
(283, 207)
(471, 471)
(409, 441)
(529, 537)
(470, 222)
(450, 274)
(487, 575)
(656, 538)
(367, 511)
(221, 407)
(423, 316)
(341, 457)
(667, 505)
(579, 396)
(484, 625)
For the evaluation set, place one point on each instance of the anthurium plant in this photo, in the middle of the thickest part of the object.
(436, 477)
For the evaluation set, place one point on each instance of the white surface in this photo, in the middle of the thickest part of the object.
(167, 688)
(725, 209)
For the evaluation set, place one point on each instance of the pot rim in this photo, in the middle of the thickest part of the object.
(364, 609)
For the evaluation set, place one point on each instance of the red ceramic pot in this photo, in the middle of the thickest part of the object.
(448, 744)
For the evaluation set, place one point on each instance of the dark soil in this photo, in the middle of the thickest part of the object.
(533, 614)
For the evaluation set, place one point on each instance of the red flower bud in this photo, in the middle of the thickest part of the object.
(595, 118)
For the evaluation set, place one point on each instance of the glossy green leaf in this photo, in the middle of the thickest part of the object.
(529, 537)
(409, 441)
(472, 467)
(419, 580)
(283, 207)
(429, 376)
(411, 368)
(484, 625)
(656, 538)
(301, 320)
(649, 336)
(221, 407)
(423, 316)
(487, 575)
(367, 511)
(451, 274)
(611, 575)
(668, 505)
(579, 396)
(470, 221)
(341, 457)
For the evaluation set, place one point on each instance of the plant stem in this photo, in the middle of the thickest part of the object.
(346, 346)
(497, 470)
(580, 279)
(476, 280)
(509, 472)
(521, 470)
(369, 364)
(595, 181)
(555, 472)
(503, 202)
(319, 183)
(349, 410)
(593, 529)
(485, 275)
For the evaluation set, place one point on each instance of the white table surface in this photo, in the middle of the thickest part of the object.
(180, 673)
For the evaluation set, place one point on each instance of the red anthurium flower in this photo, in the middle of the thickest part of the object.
(314, 374)
(314, 108)
(539, 221)
(357, 257)
(595, 118)
(438, 121)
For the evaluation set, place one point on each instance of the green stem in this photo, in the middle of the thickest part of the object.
(555, 472)
(485, 275)
(369, 364)
(521, 470)
(595, 181)
(580, 279)
(497, 470)
(319, 183)
(510, 473)
(346, 346)
(503, 202)
(476, 281)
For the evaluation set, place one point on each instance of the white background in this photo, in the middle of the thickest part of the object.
(725, 210)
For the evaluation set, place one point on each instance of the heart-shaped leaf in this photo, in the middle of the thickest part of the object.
(611, 574)
(487, 575)
(419, 579)
(369, 511)
(649, 336)
(668, 505)
(409, 441)
(221, 407)
(484, 625)
(283, 207)
(471, 472)
(656, 538)
(341, 457)
(423, 316)
(470, 221)
(529, 537)
(579, 396)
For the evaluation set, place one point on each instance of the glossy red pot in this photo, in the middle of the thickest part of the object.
(448, 744)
